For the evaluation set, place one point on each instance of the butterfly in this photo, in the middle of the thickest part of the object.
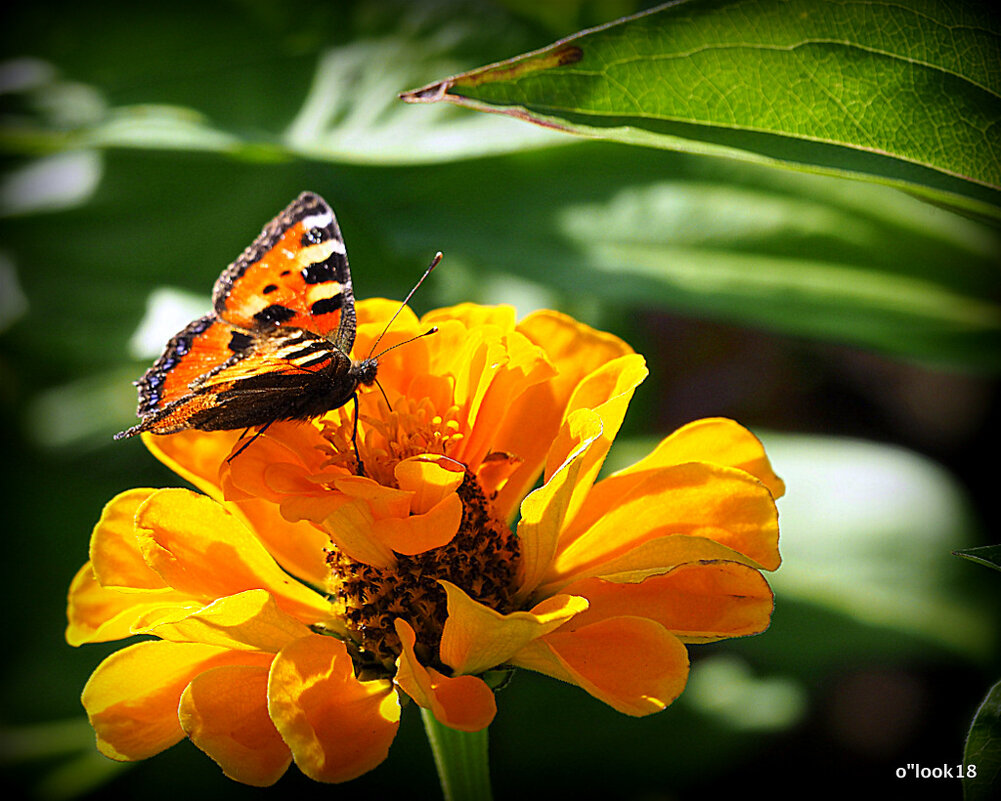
(276, 345)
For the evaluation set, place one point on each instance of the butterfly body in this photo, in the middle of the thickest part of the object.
(277, 345)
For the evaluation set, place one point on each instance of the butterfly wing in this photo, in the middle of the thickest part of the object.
(279, 339)
(287, 375)
(294, 274)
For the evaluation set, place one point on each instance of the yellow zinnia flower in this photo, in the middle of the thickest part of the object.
(294, 600)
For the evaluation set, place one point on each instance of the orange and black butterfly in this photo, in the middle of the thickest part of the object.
(277, 345)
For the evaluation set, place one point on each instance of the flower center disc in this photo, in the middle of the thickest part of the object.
(481, 558)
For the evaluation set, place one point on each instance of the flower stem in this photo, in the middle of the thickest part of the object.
(461, 759)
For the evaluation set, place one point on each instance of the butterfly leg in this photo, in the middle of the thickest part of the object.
(354, 438)
(247, 444)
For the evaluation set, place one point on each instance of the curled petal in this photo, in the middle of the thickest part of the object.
(477, 638)
(430, 479)
(198, 547)
(337, 726)
(224, 711)
(697, 602)
(114, 551)
(465, 703)
(96, 614)
(416, 534)
(607, 392)
(349, 522)
(132, 697)
(249, 621)
(632, 664)
(544, 511)
(531, 422)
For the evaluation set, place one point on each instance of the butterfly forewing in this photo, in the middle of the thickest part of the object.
(295, 274)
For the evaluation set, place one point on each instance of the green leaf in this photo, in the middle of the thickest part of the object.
(983, 749)
(907, 93)
(989, 555)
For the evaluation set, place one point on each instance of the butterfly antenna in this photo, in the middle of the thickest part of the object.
(434, 263)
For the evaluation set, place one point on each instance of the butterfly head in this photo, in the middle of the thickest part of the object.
(365, 370)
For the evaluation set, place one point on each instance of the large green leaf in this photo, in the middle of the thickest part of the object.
(904, 93)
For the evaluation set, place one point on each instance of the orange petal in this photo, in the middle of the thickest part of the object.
(699, 602)
(465, 703)
(248, 621)
(416, 534)
(132, 697)
(198, 547)
(697, 499)
(96, 614)
(477, 638)
(714, 440)
(225, 713)
(653, 557)
(194, 455)
(531, 423)
(114, 550)
(632, 664)
(430, 480)
(544, 511)
(337, 727)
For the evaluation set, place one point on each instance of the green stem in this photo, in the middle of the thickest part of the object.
(461, 759)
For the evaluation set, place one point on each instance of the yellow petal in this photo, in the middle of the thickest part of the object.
(96, 614)
(114, 550)
(199, 548)
(473, 315)
(697, 499)
(249, 621)
(632, 664)
(544, 511)
(607, 391)
(351, 528)
(224, 712)
(465, 703)
(337, 727)
(697, 602)
(477, 638)
(132, 697)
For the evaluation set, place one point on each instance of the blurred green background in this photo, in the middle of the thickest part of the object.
(852, 326)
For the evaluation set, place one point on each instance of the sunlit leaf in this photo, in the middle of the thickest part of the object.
(904, 93)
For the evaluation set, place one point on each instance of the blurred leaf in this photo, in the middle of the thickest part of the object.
(349, 109)
(905, 94)
(983, 749)
(800, 254)
(989, 555)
